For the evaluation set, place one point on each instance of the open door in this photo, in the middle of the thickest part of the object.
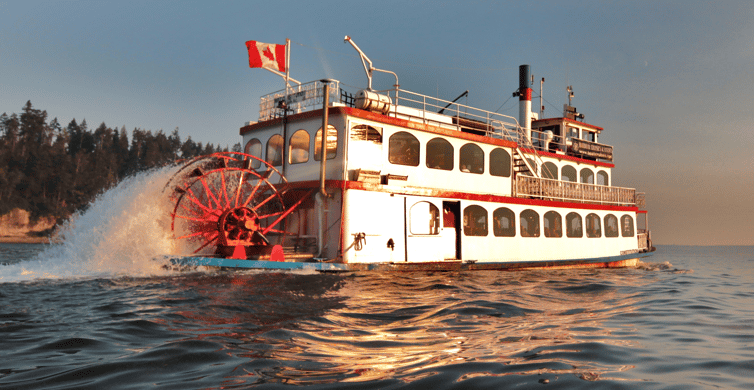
(451, 230)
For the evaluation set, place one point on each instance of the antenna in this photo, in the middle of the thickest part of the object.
(369, 69)
(541, 106)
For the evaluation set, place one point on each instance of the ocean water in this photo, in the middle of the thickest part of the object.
(98, 312)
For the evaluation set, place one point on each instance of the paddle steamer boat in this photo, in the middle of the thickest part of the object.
(404, 181)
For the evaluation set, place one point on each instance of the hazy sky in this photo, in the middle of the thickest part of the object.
(672, 82)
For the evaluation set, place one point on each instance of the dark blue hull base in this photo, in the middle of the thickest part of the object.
(627, 260)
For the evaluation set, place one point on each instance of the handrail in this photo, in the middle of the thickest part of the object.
(455, 115)
(300, 98)
(574, 192)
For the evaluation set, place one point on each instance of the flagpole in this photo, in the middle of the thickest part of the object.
(287, 61)
(285, 106)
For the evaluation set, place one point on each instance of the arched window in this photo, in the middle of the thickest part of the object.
(275, 150)
(553, 224)
(299, 147)
(503, 222)
(550, 170)
(366, 133)
(602, 178)
(529, 221)
(611, 226)
(403, 149)
(587, 176)
(573, 225)
(254, 148)
(593, 226)
(568, 173)
(500, 162)
(471, 158)
(475, 221)
(627, 225)
(331, 143)
(425, 218)
(439, 154)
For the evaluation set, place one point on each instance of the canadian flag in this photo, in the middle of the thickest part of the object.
(266, 55)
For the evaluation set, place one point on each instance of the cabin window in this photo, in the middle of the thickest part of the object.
(298, 148)
(602, 178)
(331, 143)
(553, 224)
(366, 133)
(611, 226)
(403, 149)
(572, 133)
(275, 150)
(593, 226)
(550, 170)
(500, 162)
(475, 221)
(439, 154)
(568, 173)
(425, 219)
(254, 148)
(587, 176)
(590, 136)
(573, 225)
(471, 159)
(503, 220)
(529, 222)
(627, 225)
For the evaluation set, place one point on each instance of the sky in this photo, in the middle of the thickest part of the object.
(671, 82)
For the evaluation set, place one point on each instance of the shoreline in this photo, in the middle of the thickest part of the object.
(24, 240)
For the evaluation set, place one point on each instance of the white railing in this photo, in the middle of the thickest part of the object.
(427, 109)
(303, 97)
(574, 192)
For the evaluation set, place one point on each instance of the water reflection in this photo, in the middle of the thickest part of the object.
(312, 329)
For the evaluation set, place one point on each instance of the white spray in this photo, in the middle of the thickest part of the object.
(124, 232)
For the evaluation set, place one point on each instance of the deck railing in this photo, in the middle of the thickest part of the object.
(542, 188)
(302, 97)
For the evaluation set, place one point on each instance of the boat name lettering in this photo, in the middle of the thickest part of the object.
(592, 149)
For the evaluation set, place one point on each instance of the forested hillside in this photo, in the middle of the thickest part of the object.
(52, 171)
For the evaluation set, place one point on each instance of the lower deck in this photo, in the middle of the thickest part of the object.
(358, 225)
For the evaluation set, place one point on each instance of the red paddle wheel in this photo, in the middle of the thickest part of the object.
(229, 205)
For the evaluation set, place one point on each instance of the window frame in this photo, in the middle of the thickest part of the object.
(554, 218)
(434, 150)
(332, 152)
(468, 156)
(479, 230)
(397, 150)
(294, 141)
(497, 215)
(255, 164)
(527, 216)
(275, 161)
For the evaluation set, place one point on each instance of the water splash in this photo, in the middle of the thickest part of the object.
(124, 232)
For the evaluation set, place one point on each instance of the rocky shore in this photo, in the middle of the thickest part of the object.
(17, 227)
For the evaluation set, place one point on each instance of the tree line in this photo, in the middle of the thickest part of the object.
(51, 170)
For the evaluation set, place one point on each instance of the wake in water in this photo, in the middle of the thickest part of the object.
(122, 233)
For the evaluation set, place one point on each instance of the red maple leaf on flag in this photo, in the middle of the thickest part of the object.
(268, 53)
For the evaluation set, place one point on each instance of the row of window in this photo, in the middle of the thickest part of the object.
(405, 149)
(298, 147)
(475, 223)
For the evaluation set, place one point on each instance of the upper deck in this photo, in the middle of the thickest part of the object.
(557, 159)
